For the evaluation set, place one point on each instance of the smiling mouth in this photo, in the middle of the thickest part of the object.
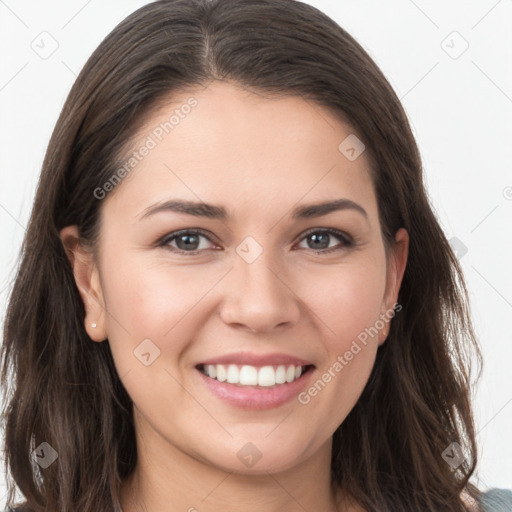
(254, 376)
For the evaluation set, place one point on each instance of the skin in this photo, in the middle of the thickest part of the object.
(258, 157)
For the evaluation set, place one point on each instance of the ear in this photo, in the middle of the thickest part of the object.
(87, 281)
(397, 261)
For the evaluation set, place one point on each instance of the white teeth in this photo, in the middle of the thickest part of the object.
(266, 376)
(221, 372)
(248, 375)
(212, 370)
(280, 375)
(233, 374)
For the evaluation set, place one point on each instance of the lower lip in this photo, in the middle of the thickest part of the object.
(255, 397)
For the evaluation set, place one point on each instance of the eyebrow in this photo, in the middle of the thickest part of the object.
(199, 209)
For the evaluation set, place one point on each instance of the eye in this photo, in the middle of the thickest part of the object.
(187, 240)
(319, 240)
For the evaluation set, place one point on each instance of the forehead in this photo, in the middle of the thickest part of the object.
(225, 144)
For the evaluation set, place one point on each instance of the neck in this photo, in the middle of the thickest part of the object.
(168, 479)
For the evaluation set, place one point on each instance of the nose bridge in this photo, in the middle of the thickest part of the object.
(255, 296)
(259, 276)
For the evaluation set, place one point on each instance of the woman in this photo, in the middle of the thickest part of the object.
(233, 290)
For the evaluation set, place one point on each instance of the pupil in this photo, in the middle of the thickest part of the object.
(322, 238)
(189, 241)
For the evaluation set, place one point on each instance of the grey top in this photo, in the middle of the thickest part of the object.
(497, 500)
(494, 500)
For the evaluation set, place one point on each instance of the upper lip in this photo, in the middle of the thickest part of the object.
(246, 358)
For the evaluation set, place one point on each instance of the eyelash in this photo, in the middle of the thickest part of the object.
(345, 240)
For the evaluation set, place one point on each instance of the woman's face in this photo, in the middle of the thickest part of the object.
(262, 286)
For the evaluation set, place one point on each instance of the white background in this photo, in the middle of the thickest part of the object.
(460, 110)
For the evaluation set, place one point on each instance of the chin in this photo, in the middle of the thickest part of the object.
(257, 458)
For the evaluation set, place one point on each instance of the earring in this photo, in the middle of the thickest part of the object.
(93, 325)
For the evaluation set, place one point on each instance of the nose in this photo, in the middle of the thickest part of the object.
(257, 298)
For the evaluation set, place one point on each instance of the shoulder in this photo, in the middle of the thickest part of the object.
(496, 500)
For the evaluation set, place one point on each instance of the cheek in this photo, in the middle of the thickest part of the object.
(151, 296)
(348, 308)
(156, 300)
(154, 308)
(348, 302)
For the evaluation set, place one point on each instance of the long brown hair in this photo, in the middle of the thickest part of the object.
(62, 389)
